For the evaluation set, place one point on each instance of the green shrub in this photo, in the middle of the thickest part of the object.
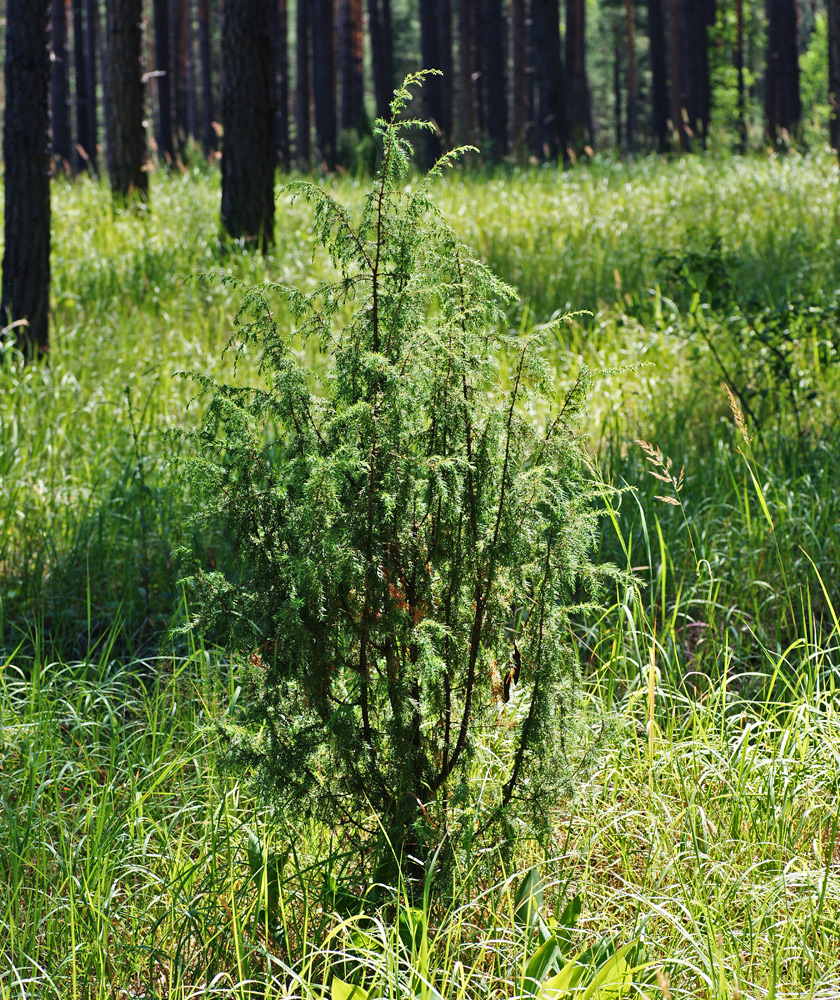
(412, 523)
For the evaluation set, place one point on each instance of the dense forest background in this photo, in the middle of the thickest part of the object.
(525, 79)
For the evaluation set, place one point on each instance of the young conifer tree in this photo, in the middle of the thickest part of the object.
(411, 523)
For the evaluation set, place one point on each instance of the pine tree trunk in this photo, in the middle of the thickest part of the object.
(303, 94)
(577, 87)
(280, 38)
(91, 61)
(350, 64)
(659, 74)
(675, 49)
(124, 101)
(739, 69)
(617, 96)
(181, 53)
(520, 51)
(466, 46)
(84, 144)
(248, 158)
(495, 84)
(62, 141)
(834, 71)
(549, 109)
(783, 108)
(436, 106)
(26, 155)
(208, 133)
(164, 64)
(323, 79)
(632, 77)
(382, 54)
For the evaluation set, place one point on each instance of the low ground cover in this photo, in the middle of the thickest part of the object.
(704, 815)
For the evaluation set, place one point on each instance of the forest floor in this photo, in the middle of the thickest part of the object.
(704, 824)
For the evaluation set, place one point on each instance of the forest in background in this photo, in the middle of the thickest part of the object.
(522, 79)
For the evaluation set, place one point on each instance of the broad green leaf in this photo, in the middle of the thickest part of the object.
(613, 979)
(564, 982)
(538, 965)
(529, 900)
(340, 990)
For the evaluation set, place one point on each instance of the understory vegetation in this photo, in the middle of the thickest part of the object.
(696, 852)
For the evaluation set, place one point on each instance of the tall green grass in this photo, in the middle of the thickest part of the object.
(705, 815)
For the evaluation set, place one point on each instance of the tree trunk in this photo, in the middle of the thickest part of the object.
(739, 69)
(434, 33)
(834, 71)
(323, 79)
(81, 153)
(675, 44)
(248, 158)
(466, 52)
(577, 87)
(632, 77)
(164, 64)
(124, 103)
(382, 54)
(303, 94)
(617, 102)
(495, 89)
(280, 54)
(782, 105)
(549, 111)
(26, 154)
(208, 132)
(62, 141)
(659, 74)
(180, 20)
(350, 64)
(520, 55)
(91, 60)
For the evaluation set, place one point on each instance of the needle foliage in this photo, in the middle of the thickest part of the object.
(411, 521)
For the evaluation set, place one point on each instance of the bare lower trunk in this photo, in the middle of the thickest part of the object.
(26, 154)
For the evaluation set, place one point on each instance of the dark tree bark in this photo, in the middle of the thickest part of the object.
(303, 94)
(495, 83)
(382, 54)
(280, 55)
(696, 17)
(180, 21)
(62, 140)
(520, 56)
(577, 86)
(739, 69)
(834, 71)
(84, 143)
(164, 66)
(659, 74)
(248, 158)
(617, 93)
(466, 55)
(124, 100)
(26, 154)
(350, 64)
(549, 111)
(91, 61)
(208, 132)
(782, 103)
(323, 79)
(437, 107)
(675, 44)
(632, 77)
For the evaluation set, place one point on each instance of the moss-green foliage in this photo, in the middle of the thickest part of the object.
(411, 522)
